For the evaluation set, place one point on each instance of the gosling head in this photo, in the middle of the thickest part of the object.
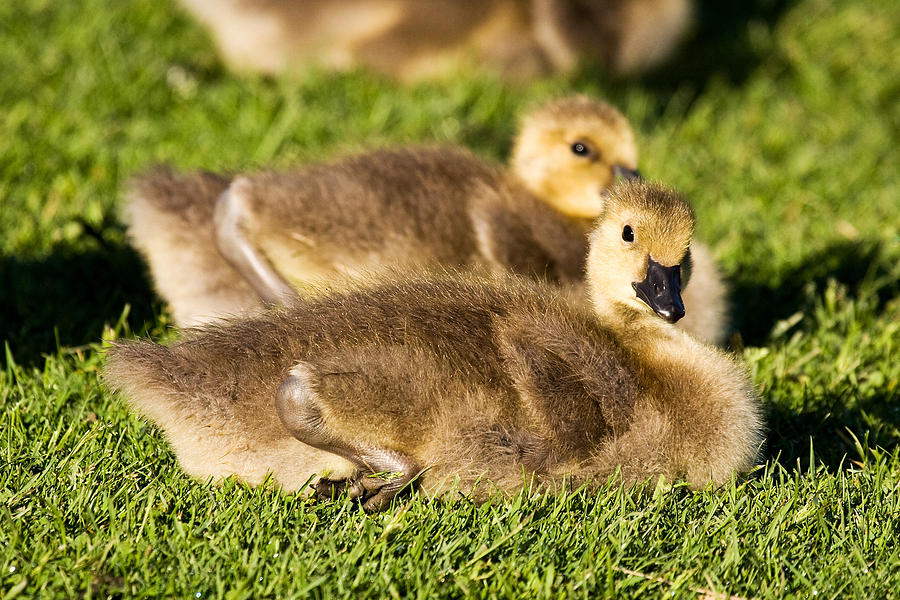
(638, 249)
(571, 150)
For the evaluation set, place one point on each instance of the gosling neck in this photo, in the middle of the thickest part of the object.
(639, 327)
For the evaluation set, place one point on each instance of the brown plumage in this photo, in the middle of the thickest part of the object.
(415, 39)
(417, 208)
(455, 377)
(169, 220)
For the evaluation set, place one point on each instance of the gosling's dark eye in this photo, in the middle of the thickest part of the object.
(628, 234)
(581, 149)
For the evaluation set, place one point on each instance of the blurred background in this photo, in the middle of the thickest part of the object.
(415, 39)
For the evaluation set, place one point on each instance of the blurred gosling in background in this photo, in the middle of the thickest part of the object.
(219, 246)
(415, 39)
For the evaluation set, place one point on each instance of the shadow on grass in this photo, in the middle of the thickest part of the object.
(830, 419)
(761, 298)
(722, 47)
(831, 423)
(71, 293)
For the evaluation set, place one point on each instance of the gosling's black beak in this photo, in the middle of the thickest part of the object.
(661, 290)
(626, 173)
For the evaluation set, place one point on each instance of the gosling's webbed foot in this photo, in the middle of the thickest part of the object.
(374, 491)
(378, 490)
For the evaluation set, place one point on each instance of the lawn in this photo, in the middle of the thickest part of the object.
(780, 121)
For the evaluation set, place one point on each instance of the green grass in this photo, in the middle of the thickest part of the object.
(780, 121)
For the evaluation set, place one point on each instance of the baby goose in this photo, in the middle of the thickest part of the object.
(415, 39)
(406, 39)
(448, 379)
(416, 208)
(411, 207)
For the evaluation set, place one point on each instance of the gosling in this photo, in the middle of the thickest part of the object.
(427, 39)
(449, 381)
(218, 246)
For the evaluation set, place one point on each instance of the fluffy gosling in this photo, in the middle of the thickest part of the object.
(447, 380)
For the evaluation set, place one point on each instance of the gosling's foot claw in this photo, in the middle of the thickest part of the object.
(380, 491)
(330, 488)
